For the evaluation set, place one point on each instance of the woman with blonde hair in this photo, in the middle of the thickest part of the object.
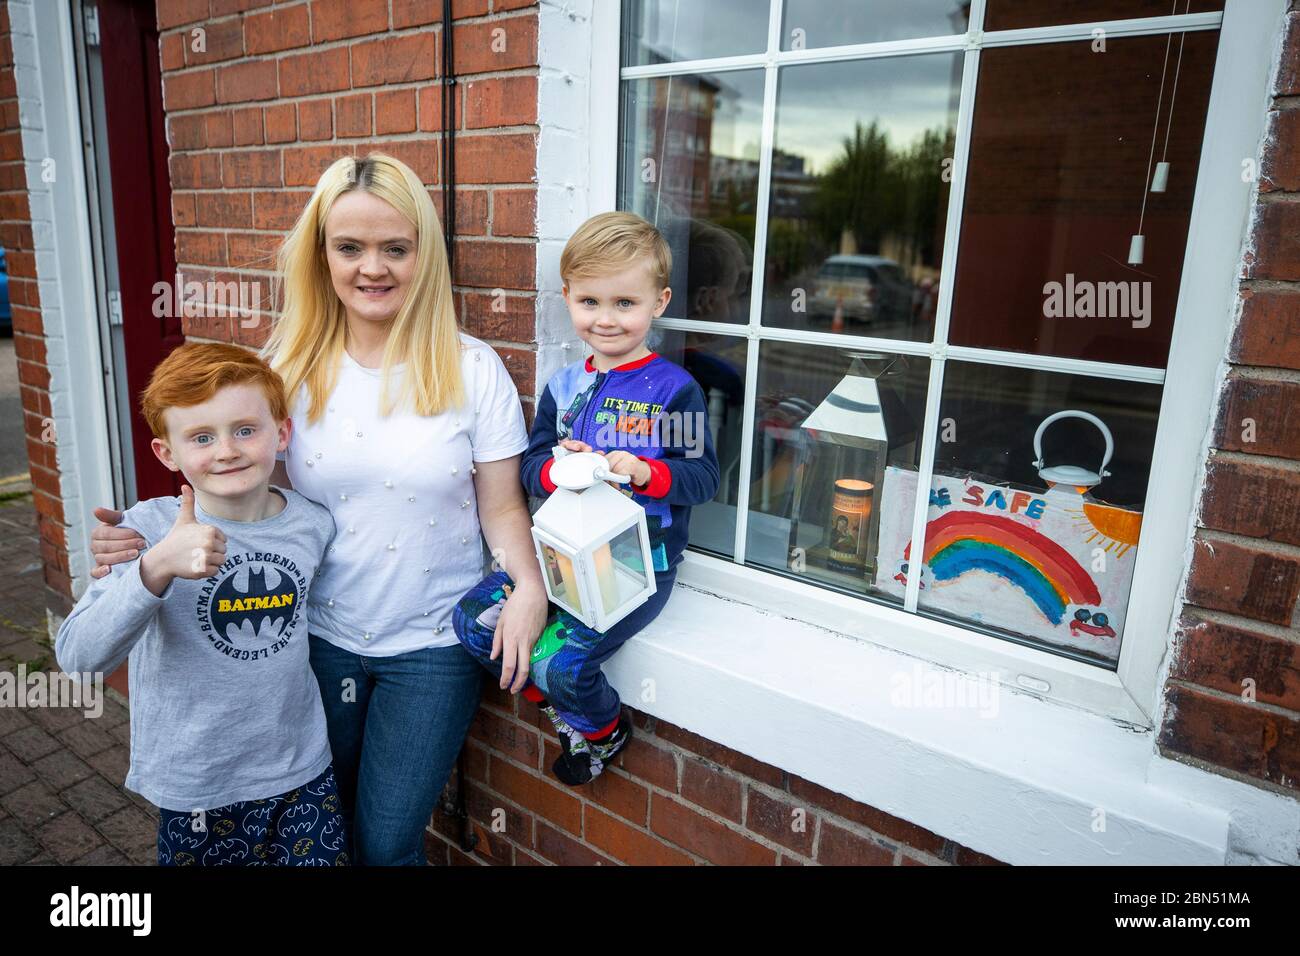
(410, 432)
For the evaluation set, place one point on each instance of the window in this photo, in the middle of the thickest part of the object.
(915, 249)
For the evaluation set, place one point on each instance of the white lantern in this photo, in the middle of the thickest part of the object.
(592, 543)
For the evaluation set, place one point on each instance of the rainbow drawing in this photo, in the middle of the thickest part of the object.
(962, 541)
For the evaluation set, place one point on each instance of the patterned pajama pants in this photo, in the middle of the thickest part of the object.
(303, 827)
(566, 660)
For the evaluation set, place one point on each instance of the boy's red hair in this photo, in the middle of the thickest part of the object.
(194, 372)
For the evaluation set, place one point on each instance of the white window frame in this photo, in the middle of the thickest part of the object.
(1205, 308)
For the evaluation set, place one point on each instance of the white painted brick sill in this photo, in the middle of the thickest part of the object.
(1024, 785)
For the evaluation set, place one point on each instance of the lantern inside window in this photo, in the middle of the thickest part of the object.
(592, 543)
(835, 521)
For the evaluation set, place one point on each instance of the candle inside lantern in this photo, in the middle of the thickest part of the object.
(850, 520)
(605, 577)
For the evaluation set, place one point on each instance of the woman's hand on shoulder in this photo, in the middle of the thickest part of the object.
(113, 545)
(518, 629)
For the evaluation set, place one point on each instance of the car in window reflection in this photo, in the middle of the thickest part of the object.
(866, 289)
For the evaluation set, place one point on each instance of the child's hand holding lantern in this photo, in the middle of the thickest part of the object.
(624, 463)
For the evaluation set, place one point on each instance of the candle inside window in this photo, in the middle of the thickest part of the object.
(850, 524)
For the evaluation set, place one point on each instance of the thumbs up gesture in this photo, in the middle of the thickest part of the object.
(190, 550)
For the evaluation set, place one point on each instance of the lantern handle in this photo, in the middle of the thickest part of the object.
(1086, 416)
(605, 474)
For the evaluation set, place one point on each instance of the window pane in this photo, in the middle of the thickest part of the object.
(1015, 14)
(620, 569)
(1016, 551)
(689, 164)
(717, 363)
(1060, 151)
(828, 424)
(562, 578)
(660, 31)
(815, 23)
(860, 194)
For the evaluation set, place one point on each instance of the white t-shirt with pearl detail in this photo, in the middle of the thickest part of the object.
(407, 543)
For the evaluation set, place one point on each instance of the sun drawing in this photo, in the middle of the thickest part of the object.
(1115, 528)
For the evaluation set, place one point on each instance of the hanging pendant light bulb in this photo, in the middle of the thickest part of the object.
(1161, 180)
(1158, 182)
(1136, 248)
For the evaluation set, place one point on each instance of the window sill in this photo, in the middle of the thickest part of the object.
(1008, 774)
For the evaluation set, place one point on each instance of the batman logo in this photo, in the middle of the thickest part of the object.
(226, 851)
(254, 604)
(182, 835)
(272, 854)
(331, 835)
(298, 819)
(256, 820)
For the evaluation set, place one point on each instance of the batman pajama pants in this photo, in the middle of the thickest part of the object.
(567, 657)
(303, 827)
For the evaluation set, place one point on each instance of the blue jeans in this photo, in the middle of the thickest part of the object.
(395, 727)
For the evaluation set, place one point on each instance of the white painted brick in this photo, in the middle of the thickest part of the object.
(24, 51)
(553, 323)
(560, 210)
(20, 21)
(556, 152)
(564, 56)
(29, 113)
(42, 235)
(46, 264)
(35, 184)
(548, 264)
(34, 142)
(562, 98)
(563, 36)
(56, 352)
(29, 81)
(552, 358)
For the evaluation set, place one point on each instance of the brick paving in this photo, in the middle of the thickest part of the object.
(61, 773)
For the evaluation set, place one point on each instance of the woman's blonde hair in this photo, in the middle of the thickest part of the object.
(306, 344)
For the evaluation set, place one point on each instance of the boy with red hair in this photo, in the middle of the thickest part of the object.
(227, 728)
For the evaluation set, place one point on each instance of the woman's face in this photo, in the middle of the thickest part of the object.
(370, 248)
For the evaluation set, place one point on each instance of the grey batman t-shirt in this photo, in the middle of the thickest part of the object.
(224, 705)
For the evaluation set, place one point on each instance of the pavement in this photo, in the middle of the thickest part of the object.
(13, 444)
(61, 772)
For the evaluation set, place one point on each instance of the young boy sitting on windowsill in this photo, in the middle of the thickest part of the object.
(615, 270)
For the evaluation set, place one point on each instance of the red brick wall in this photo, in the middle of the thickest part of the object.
(1239, 623)
(673, 797)
(282, 91)
(29, 331)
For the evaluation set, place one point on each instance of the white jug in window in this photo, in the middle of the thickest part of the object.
(1081, 478)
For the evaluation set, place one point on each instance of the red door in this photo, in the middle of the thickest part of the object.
(137, 151)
